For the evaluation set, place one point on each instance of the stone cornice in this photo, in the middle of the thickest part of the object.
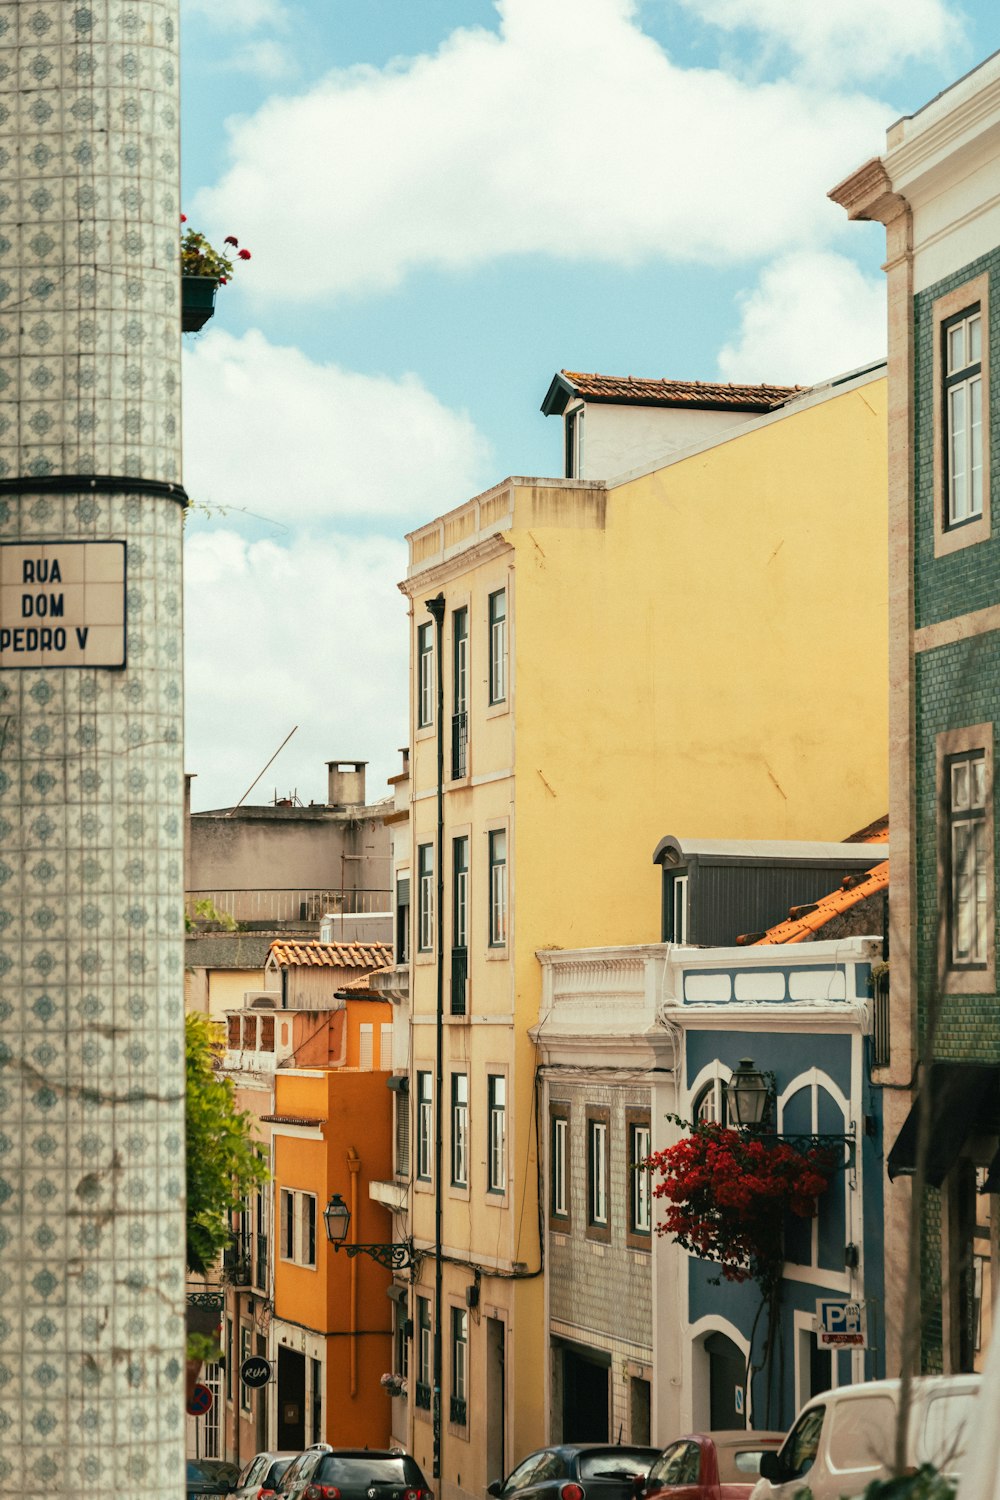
(438, 573)
(868, 194)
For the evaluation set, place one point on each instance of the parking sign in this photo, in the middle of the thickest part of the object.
(841, 1324)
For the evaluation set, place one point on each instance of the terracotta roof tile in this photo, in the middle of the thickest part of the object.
(698, 393)
(290, 955)
(872, 833)
(807, 920)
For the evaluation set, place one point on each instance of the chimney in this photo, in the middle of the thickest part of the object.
(345, 783)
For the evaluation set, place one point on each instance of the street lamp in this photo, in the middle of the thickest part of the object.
(396, 1256)
(748, 1094)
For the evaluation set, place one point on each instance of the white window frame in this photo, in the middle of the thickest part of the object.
(497, 620)
(425, 1125)
(597, 1173)
(963, 419)
(496, 839)
(954, 527)
(460, 880)
(297, 1243)
(460, 1130)
(246, 1349)
(640, 1188)
(969, 915)
(425, 675)
(958, 975)
(559, 1205)
(460, 659)
(425, 898)
(460, 1355)
(496, 1116)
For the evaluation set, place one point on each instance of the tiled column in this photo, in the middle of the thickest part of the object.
(91, 786)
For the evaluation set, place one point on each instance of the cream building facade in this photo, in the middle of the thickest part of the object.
(669, 650)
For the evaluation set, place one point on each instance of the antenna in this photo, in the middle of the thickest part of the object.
(260, 773)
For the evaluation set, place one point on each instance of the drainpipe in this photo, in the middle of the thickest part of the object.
(435, 608)
(354, 1167)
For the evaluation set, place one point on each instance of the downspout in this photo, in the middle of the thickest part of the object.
(435, 608)
(354, 1167)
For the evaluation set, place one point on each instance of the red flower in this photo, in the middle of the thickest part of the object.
(244, 255)
(184, 218)
(231, 240)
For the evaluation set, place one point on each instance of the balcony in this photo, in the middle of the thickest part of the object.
(422, 1396)
(459, 980)
(457, 1412)
(279, 910)
(459, 745)
(236, 1262)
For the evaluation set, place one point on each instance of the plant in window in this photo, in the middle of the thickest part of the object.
(394, 1384)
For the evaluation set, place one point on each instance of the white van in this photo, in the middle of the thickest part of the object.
(845, 1438)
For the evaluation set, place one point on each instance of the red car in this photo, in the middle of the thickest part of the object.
(710, 1466)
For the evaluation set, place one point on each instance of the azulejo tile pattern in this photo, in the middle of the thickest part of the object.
(91, 836)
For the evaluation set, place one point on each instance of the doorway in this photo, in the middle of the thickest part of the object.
(585, 1401)
(291, 1398)
(496, 1401)
(727, 1373)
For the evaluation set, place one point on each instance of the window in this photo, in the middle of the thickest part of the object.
(425, 898)
(969, 914)
(559, 1166)
(640, 1199)
(574, 443)
(498, 646)
(961, 387)
(403, 1330)
(316, 1371)
(496, 1165)
(676, 909)
(245, 1390)
(460, 1130)
(460, 692)
(460, 893)
(298, 1227)
(366, 1044)
(425, 1127)
(710, 1105)
(459, 1365)
(498, 887)
(598, 1132)
(962, 358)
(966, 938)
(402, 1104)
(425, 675)
(425, 1354)
(385, 1046)
(402, 919)
(229, 1359)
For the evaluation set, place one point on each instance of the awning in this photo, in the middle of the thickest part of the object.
(964, 1100)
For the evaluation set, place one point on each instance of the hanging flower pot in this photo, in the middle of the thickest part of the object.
(203, 270)
(197, 301)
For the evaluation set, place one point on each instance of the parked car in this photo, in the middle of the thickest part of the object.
(210, 1476)
(710, 1466)
(259, 1478)
(844, 1439)
(325, 1473)
(578, 1471)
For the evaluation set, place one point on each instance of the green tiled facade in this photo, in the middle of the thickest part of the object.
(954, 686)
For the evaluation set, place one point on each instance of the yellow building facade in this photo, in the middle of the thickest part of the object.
(698, 649)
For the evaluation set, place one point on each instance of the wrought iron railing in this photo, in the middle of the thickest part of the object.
(458, 1411)
(880, 1017)
(459, 745)
(459, 980)
(422, 1396)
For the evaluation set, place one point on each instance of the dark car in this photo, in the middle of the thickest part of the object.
(210, 1476)
(578, 1471)
(259, 1479)
(710, 1466)
(325, 1473)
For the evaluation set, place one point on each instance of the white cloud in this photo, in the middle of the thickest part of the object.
(238, 15)
(811, 316)
(267, 429)
(312, 634)
(847, 39)
(571, 134)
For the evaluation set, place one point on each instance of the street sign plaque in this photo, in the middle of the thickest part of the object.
(62, 604)
(255, 1371)
(841, 1324)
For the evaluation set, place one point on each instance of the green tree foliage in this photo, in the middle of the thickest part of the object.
(223, 1164)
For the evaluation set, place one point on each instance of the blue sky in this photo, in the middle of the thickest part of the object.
(446, 202)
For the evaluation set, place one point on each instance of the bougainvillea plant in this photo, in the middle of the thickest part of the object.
(199, 258)
(727, 1193)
